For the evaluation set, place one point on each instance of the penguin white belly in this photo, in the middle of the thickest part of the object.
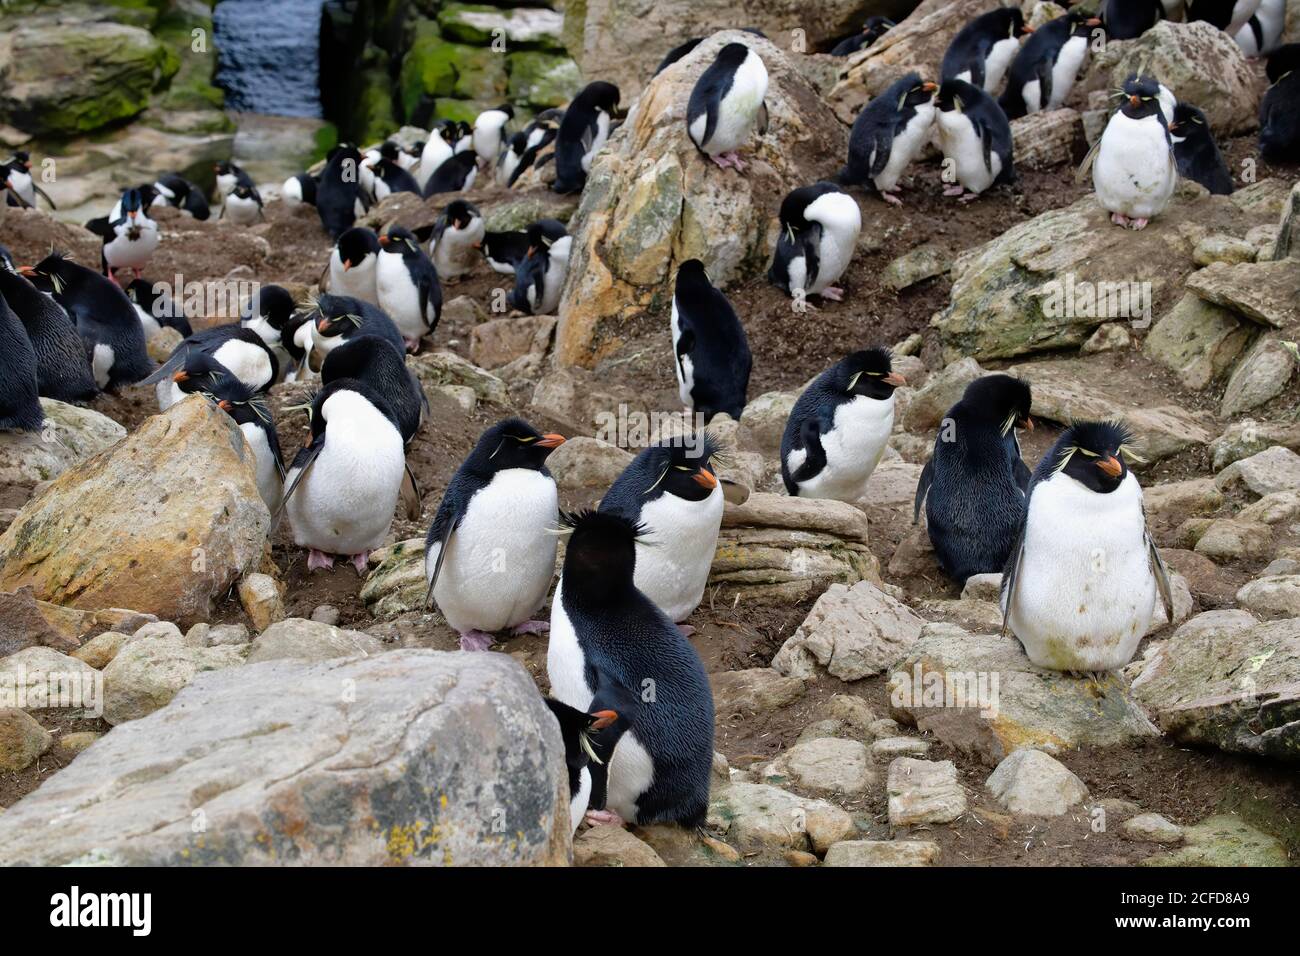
(506, 168)
(553, 282)
(501, 559)
(357, 281)
(907, 146)
(684, 367)
(566, 664)
(598, 141)
(268, 476)
(247, 362)
(123, 252)
(631, 773)
(265, 331)
(505, 268)
(853, 448)
(167, 392)
(841, 222)
(101, 363)
(226, 184)
(579, 801)
(148, 323)
(1134, 173)
(399, 297)
(242, 212)
(1085, 593)
(291, 192)
(1032, 94)
(1069, 62)
(453, 254)
(996, 63)
(963, 146)
(1242, 11)
(345, 503)
(674, 556)
(738, 109)
(796, 274)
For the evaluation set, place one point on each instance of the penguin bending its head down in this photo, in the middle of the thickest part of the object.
(62, 368)
(973, 487)
(819, 232)
(408, 286)
(490, 552)
(336, 319)
(251, 413)
(1279, 112)
(524, 149)
(230, 175)
(230, 348)
(578, 730)
(455, 235)
(1045, 70)
(299, 188)
(353, 264)
(609, 641)
(839, 427)
(342, 488)
(267, 314)
(1071, 611)
(710, 349)
(1196, 152)
(975, 138)
(156, 308)
(175, 190)
(20, 402)
(1129, 19)
(504, 250)
(377, 363)
(103, 315)
(490, 132)
(1134, 171)
(339, 198)
(582, 134)
(726, 105)
(871, 31)
(672, 492)
(889, 134)
(539, 279)
(983, 49)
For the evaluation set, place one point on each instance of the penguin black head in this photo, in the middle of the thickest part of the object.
(1015, 22)
(272, 303)
(576, 727)
(335, 314)
(1141, 97)
(512, 443)
(1082, 23)
(152, 299)
(460, 214)
(1000, 399)
(226, 169)
(868, 373)
(956, 95)
(876, 27)
(200, 372)
(1190, 124)
(916, 91)
(1095, 454)
(416, 149)
(605, 96)
(1282, 61)
(132, 203)
(22, 158)
(732, 55)
(676, 469)
(507, 109)
(543, 234)
(318, 420)
(245, 191)
(797, 201)
(389, 150)
(600, 557)
(355, 244)
(53, 273)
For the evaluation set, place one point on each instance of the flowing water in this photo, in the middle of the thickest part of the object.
(267, 55)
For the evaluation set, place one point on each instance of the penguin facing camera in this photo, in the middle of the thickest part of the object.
(539, 279)
(21, 188)
(243, 206)
(354, 264)
(228, 176)
(983, 49)
(456, 236)
(1134, 171)
(975, 138)
(727, 104)
(129, 238)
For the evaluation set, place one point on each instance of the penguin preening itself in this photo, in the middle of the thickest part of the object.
(1133, 170)
(839, 427)
(1228, 15)
(336, 319)
(22, 188)
(610, 642)
(456, 235)
(156, 308)
(103, 315)
(408, 286)
(819, 232)
(671, 491)
(1080, 585)
(582, 134)
(490, 132)
(339, 198)
(130, 239)
(299, 188)
(268, 313)
(243, 206)
(1044, 72)
(577, 729)
(539, 279)
(710, 349)
(524, 149)
(490, 552)
(342, 488)
(20, 402)
(1129, 19)
(1196, 152)
(975, 137)
(973, 487)
(62, 368)
(251, 413)
(228, 176)
(983, 49)
(353, 265)
(232, 348)
(871, 31)
(175, 190)
(889, 134)
(1263, 31)
(726, 105)
(504, 250)
(1279, 112)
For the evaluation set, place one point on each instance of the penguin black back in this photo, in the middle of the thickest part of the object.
(1279, 113)
(379, 364)
(1128, 19)
(338, 190)
(969, 50)
(1196, 151)
(579, 131)
(875, 128)
(453, 175)
(710, 336)
(1037, 59)
(62, 368)
(20, 404)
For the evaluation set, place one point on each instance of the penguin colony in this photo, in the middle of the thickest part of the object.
(636, 567)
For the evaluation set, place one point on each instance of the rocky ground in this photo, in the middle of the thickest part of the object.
(821, 620)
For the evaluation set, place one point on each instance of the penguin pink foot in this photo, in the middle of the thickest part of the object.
(605, 818)
(1119, 219)
(531, 627)
(686, 629)
(319, 561)
(969, 198)
(361, 562)
(834, 293)
(737, 162)
(954, 190)
(412, 345)
(475, 641)
(722, 160)
(1138, 223)
(890, 198)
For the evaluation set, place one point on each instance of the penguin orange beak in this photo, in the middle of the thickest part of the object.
(1111, 466)
(930, 87)
(531, 250)
(347, 264)
(704, 478)
(1134, 100)
(383, 240)
(1027, 423)
(320, 326)
(477, 243)
(895, 379)
(603, 719)
(1093, 21)
(28, 271)
(225, 405)
(1026, 29)
(181, 376)
(550, 441)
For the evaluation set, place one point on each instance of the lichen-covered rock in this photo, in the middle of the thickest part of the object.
(1258, 378)
(882, 853)
(1198, 340)
(1264, 292)
(22, 739)
(415, 757)
(303, 640)
(852, 632)
(1224, 840)
(754, 690)
(541, 80)
(756, 816)
(480, 24)
(824, 765)
(70, 435)
(498, 342)
(447, 368)
(1272, 470)
(923, 791)
(396, 584)
(149, 670)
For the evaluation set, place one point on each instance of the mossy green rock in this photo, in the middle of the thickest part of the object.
(519, 26)
(191, 88)
(542, 79)
(437, 68)
(397, 584)
(62, 81)
(1224, 841)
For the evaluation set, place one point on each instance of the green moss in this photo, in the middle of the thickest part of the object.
(541, 79)
(476, 23)
(436, 68)
(459, 110)
(326, 138)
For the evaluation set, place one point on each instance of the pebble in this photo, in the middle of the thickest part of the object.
(924, 791)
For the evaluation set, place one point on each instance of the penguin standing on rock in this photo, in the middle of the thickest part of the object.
(672, 492)
(974, 486)
(819, 232)
(889, 134)
(582, 134)
(710, 348)
(103, 315)
(838, 429)
(726, 105)
(1196, 152)
(609, 641)
(539, 279)
(983, 49)
(490, 552)
(408, 286)
(1279, 113)
(1080, 585)
(975, 138)
(455, 236)
(456, 175)
(1134, 171)
(339, 199)
(1044, 72)
(353, 265)
(20, 403)
(62, 368)
(342, 488)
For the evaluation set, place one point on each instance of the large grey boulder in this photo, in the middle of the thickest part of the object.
(415, 757)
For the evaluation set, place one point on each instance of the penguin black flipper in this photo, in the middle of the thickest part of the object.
(42, 193)
(303, 461)
(451, 511)
(922, 489)
(810, 436)
(101, 227)
(1161, 574)
(1021, 473)
(708, 93)
(168, 368)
